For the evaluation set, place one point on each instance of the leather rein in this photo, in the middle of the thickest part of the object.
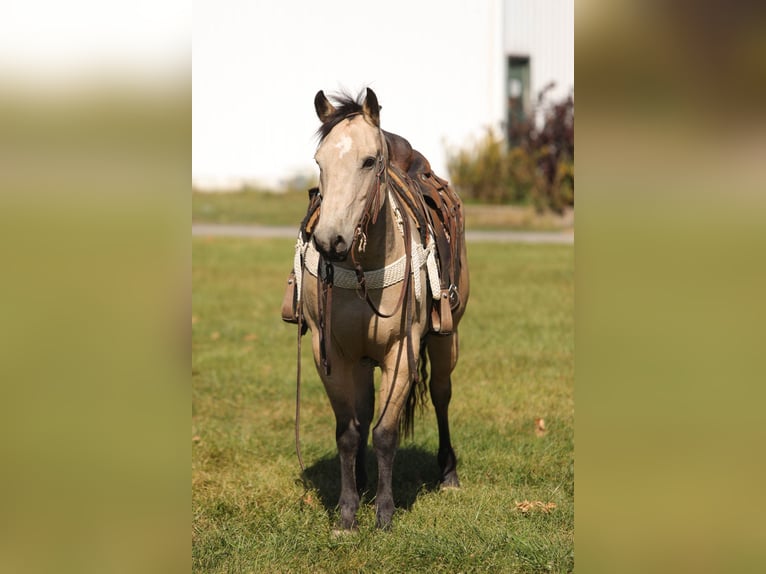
(370, 213)
(372, 208)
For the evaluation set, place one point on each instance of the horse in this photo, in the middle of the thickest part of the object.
(381, 280)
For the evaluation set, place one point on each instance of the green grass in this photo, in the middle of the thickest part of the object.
(266, 208)
(251, 512)
(253, 207)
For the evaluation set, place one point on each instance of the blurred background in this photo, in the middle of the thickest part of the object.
(669, 307)
(443, 71)
(484, 89)
(95, 108)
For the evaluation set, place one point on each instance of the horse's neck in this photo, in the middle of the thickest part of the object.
(384, 242)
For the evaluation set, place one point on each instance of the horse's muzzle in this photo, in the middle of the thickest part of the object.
(334, 250)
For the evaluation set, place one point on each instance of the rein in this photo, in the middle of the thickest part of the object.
(370, 215)
(362, 281)
(325, 283)
(371, 208)
(298, 393)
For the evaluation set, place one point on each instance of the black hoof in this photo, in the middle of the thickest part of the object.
(383, 516)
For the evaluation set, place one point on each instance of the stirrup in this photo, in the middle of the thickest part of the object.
(441, 314)
(290, 300)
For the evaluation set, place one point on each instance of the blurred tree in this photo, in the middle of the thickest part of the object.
(538, 169)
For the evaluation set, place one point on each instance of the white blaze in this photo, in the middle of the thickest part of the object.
(343, 146)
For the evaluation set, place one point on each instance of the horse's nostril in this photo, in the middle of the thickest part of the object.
(321, 246)
(339, 245)
(333, 249)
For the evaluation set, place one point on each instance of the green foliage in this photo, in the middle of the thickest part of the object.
(537, 169)
(251, 510)
(482, 172)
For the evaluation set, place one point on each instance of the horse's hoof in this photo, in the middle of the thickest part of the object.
(383, 516)
(339, 531)
(450, 482)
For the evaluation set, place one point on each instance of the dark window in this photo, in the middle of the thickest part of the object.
(517, 89)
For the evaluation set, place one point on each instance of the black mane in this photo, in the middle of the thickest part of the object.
(346, 106)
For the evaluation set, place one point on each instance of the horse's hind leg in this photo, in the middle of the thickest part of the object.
(442, 352)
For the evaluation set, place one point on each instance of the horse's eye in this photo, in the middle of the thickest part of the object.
(369, 162)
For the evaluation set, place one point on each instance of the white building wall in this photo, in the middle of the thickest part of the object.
(544, 31)
(437, 67)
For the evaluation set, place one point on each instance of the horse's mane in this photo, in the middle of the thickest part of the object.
(346, 106)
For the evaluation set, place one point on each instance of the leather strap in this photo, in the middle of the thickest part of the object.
(431, 204)
(324, 297)
(407, 275)
(289, 302)
(441, 320)
(301, 330)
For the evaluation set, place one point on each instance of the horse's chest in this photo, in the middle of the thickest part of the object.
(354, 327)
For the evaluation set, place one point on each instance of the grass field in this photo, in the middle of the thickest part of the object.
(251, 510)
(288, 208)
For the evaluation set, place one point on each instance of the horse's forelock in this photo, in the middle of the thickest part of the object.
(346, 106)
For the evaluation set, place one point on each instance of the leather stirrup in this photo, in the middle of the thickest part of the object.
(289, 310)
(441, 315)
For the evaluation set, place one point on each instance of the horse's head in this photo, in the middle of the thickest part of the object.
(351, 157)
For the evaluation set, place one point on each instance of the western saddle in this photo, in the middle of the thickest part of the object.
(433, 205)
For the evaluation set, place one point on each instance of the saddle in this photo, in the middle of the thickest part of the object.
(434, 207)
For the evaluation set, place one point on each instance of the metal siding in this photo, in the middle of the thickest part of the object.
(543, 30)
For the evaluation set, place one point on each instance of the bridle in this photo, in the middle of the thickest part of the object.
(370, 213)
(324, 286)
(372, 204)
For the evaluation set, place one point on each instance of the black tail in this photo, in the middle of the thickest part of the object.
(417, 396)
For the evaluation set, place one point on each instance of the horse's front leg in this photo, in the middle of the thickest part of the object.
(348, 438)
(365, 407)
(395, 386)
(348, 388)
(384, 438)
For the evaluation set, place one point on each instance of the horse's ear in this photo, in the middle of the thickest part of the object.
(371, 108)
(323, 107)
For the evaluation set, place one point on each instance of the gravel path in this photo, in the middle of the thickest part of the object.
(232, 230)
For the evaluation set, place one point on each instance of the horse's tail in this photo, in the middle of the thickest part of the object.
(417, 395)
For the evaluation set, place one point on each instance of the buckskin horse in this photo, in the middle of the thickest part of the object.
(380, 278)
